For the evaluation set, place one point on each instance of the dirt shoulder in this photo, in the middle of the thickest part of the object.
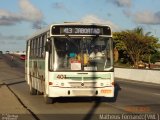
(10, 106)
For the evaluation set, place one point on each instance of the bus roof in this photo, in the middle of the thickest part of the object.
(46, 29)
(38, 32)
(79, 23)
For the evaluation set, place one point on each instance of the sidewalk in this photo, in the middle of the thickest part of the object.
(10, 107)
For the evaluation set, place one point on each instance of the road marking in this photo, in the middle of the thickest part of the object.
(156, 93)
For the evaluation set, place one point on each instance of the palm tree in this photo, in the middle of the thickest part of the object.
(136, 43)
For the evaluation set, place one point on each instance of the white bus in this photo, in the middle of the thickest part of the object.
(71, 60)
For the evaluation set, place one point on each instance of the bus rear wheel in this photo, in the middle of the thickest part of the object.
(33, 91)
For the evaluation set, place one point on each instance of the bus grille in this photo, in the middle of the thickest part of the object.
(82, 84)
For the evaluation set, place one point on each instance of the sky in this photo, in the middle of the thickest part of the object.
(21, 18)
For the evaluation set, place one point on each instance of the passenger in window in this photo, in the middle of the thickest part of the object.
(96, 54)
(85, 57)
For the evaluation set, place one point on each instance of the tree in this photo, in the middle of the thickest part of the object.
(116, 55)
(135, 43)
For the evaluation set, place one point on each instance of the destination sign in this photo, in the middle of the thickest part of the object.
(94, 31)
(80, 30)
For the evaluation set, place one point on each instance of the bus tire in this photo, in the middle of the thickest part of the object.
(32, 90)
(112, 99)
(48, 100)
(97, 99)
(39, 93)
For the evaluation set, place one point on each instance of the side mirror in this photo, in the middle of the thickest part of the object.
(48, 46)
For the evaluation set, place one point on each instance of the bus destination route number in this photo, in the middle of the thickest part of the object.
(90, 31)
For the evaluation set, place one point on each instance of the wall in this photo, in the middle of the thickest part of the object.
(152, 76)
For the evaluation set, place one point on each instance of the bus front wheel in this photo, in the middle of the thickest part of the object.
(48, 100)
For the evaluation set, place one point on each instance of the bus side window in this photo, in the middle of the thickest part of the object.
(40, 47)
(43, 46)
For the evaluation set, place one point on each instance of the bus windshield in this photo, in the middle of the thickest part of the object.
(81, 54)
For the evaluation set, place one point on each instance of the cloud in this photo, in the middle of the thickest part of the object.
(39, 24)
(127, 12)
(147, 17)
(2, 43)
(29, 13)
(9, 18)
(12, 42)
(58, 5)
(121, 3)
(12, 37)
(95, 19)
(125, 4)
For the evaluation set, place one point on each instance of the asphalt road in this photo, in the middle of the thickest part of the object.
(132, 97)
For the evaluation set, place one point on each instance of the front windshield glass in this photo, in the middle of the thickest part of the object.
(82, 54)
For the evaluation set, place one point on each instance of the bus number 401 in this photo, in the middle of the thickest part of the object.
(61, 76)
